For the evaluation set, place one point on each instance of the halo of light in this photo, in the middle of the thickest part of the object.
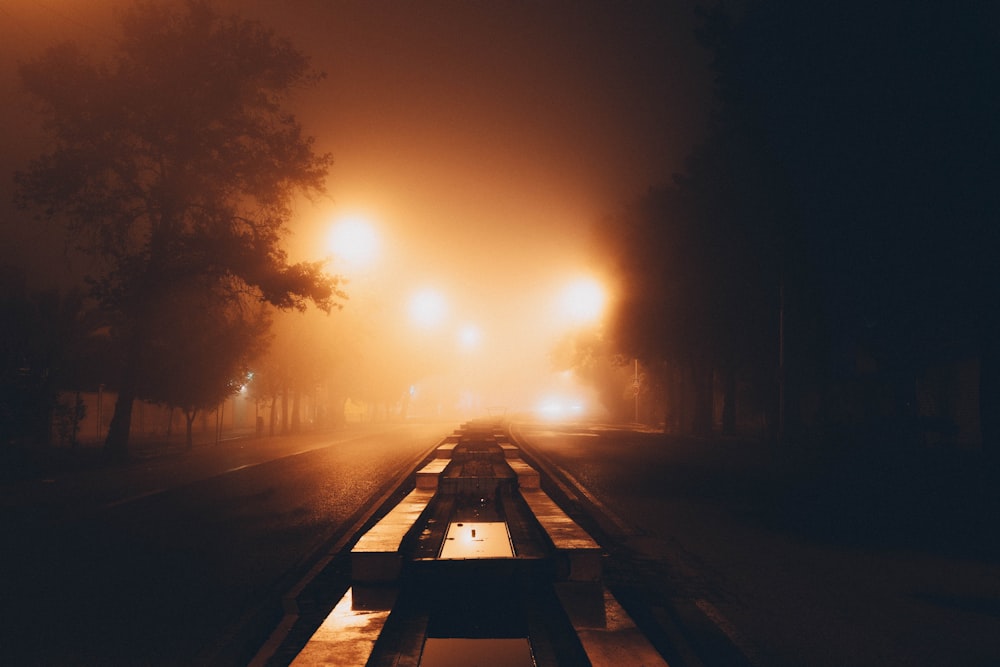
(583, 300)
(354, 241)
(428, 308)
(469, 336)
(556, 407)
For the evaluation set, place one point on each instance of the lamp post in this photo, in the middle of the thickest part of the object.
(635, 390)
(582, 301)
(354, 241)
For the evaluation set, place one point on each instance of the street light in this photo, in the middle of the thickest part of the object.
(469, 336)
(428, 308)
(354, 240)
(582, 301)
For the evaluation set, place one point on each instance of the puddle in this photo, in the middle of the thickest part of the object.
(461, 652)
(471, 539)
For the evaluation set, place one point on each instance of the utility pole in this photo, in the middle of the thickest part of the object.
(635, 390)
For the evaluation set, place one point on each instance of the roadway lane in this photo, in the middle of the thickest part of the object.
(699, 532)
(152, 563)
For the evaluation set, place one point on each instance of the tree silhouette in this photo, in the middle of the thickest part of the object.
(175, 163)
(851, 166)
(882, 116)
(200, 351)
(45, 343)
(703, 259)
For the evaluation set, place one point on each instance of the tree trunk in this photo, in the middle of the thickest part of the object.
(189, 440)
(79, 412)
(116, 443)
(272, 415)
(284, 410)
(677, 417)
(703, 400)
(296, 415)
(682, 397)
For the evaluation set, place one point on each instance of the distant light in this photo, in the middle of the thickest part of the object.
(428, 308)
(559, 408)
(583, 301)
(354, 241)
(469, 336)
(550, 409)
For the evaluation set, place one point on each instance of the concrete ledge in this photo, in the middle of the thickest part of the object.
(347, 636)
(445, 450)
(527, 477)
(608, 634)
(579, 564)
(427, 477)
(375, 557)
(579, 557)
(510, 451)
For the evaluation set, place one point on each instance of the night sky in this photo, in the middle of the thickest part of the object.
(484, 141)
(472, 134)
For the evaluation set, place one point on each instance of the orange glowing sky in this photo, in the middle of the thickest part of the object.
(483, 140)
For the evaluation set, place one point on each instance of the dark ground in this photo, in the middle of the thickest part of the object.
(799, 558)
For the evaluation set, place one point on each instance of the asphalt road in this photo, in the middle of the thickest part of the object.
(705, 534)
(155, 563)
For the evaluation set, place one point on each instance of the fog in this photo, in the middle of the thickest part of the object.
(483, 145)
(433, 339)
(480, 142)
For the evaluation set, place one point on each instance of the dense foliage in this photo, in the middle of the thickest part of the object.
(174, 164)
(847, 190)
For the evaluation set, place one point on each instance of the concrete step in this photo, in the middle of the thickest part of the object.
(427, 477)
(527, 477)
(579, 557)
(376, 557)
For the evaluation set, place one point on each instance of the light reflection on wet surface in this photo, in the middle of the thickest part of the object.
(461, 652)
(477, 540)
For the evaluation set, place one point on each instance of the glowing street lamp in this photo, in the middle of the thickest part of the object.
(353, 240)
(583, 301)
(428, 308)
(469, 336)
